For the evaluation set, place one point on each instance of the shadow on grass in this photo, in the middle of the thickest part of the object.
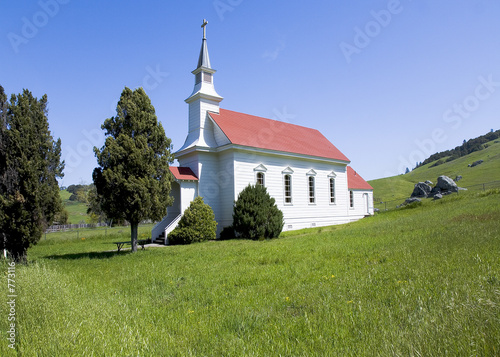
(90, 255)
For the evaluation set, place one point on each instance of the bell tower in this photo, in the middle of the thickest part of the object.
(203, 99)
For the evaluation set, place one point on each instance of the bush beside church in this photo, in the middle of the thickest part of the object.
(196, 225)
(256, 214)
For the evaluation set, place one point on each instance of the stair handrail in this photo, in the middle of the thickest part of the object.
(175, 220)
(157, 229)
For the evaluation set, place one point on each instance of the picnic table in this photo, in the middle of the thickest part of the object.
(141, 242)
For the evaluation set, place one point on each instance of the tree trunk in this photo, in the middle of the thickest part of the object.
(133, 235)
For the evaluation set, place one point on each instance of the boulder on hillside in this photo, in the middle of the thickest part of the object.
(429, 182)
(421, 190)
(458, 178)
(438, 196)
(409, 201)
(475, 163)
(435, 191)
(446, 185)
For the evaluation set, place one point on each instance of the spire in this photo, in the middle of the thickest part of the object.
(204, 84)
(204, 60)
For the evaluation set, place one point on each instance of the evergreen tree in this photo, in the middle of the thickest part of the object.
(133, 179)
(30, 162)
(94, 209)
(256, 214)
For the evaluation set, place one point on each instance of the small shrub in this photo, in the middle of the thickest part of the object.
(196, 225)
(256, 214)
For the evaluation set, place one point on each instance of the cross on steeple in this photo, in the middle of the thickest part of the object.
(205, 22)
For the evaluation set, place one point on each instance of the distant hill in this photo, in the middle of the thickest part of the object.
(77, 211)
(468, 147)
(401, 186)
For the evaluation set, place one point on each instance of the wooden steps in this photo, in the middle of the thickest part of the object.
(160, 239)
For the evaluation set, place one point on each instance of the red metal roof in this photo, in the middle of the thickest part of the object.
(183, 173)
(356, 182)
(257, 132)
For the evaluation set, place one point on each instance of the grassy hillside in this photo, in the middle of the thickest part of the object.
(398, 187)
(77, 210)
(413, 282)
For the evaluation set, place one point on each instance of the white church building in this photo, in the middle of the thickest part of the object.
(224, 151)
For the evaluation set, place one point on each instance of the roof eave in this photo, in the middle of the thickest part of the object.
(192, 149)
(281, 153)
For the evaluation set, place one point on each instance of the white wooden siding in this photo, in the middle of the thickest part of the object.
(226, 188)
(189, 190)
(175, 192)
(362, 206)
(300, 214)
(198, 113)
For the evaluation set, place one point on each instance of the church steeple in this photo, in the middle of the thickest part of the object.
(203, 99)
(204, 60)
(203, 84)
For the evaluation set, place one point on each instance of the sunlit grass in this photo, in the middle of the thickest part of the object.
(423, 281)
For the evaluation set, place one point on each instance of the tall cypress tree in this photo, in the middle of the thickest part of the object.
(133, 180)
(30, 162)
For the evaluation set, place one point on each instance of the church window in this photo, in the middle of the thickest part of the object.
(207, 77)
(312, 198)
(351, 198)
(288, 188)
(332, 190)
(260, 178)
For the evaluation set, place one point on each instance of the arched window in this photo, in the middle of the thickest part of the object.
(332, 190)
(288, 188)
(312, 198)
(260, 179)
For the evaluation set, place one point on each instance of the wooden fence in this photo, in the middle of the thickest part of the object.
(67, 227)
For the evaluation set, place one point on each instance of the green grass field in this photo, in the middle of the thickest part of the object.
(77, 211)
(412, 282)
(401, 187)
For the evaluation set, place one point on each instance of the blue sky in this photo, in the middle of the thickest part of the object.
(387, 82)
